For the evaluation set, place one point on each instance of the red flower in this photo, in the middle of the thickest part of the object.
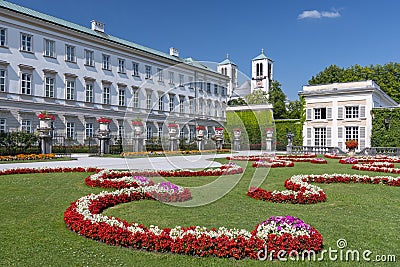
(103, 120)
(45, 116)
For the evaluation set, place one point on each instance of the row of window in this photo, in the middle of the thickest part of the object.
(350, 112)
(26, 126)
(70, 92)
(26, 45)
(322, 135)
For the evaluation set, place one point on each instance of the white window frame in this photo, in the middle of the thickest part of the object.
(26, 42)
(89, 57)
(89, 92)
(70, 130)
(171, 78)
(121, 130)
(149, 132)
(121, 97)
(161, 103)
(135, 98)
(160, 74)
(148, 72)
(121, 65)
(105, 65)
(3, 79)
(3, 125)
(49, 86)
(352, 112)
(320, 136)
(3, 37)
(89, 130)
(148, 99)
(171, 102)
(70, 85)
(160, 132)
(106, 94)
(26, 83)
(181, 80)
(49, 48)
(135, 69)
(26, 126)
(352, 133)
(70, 53)
(182, 105)
(215, 89)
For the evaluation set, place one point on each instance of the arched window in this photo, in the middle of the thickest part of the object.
(261, 69)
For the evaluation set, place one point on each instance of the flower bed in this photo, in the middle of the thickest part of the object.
(318, 161)
(249, 158)
(334, 156)
(273, 164)
(277, 233)
(348, 161)
(377, 167)
(300, 191)
(369, 159)
(310, 155)
(28, 157)
(47, 170)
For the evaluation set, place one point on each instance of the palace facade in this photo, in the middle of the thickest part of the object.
(82, 74)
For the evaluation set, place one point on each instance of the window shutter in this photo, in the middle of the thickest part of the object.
(308, 114)
(309, 136)
(328, 136)
(340, 113)
(329, 113)
(362, 112)
(340, 132)
(362, 138)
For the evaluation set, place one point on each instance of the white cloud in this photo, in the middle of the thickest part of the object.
(315, 14)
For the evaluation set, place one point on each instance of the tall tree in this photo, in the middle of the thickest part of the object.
(257, 97)
(386, 76)
(277, 98)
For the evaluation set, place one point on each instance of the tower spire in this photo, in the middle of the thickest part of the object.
(227, 55)
(262, 50)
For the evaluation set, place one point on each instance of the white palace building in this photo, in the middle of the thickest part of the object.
(338, 112)
(82, 74)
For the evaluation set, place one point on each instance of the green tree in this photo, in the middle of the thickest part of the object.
(294, 109)
(386, 76)
(257, 97)
(237, 102)
(277, 98)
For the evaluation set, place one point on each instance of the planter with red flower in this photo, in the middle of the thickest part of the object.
(137, 127)
(351, 146)
(104, 123)
(45, 120)
(200, 131)
(173, 129)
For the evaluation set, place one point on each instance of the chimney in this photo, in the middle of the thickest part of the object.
(174, 52)
(97, 26)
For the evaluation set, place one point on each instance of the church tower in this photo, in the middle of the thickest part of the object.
(261, 72)
(228, 68)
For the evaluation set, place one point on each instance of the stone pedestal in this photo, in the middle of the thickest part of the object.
(104, 139)
(269, 139)
(137, 138)
(219, 138)
(236, 139)
(45, 137)
(200, 139)
(173, 140)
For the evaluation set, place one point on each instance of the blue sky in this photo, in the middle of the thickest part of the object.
(301, 36)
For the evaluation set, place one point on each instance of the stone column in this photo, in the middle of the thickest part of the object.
(137, 137)
(104, 138)
(200, 137)
(237, 132)
(45, 136)
(219, 137)
(269, 139)
(173, 133)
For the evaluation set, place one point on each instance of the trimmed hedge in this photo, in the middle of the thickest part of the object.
(254, 121)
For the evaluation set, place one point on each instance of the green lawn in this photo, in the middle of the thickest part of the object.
(33, 232)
